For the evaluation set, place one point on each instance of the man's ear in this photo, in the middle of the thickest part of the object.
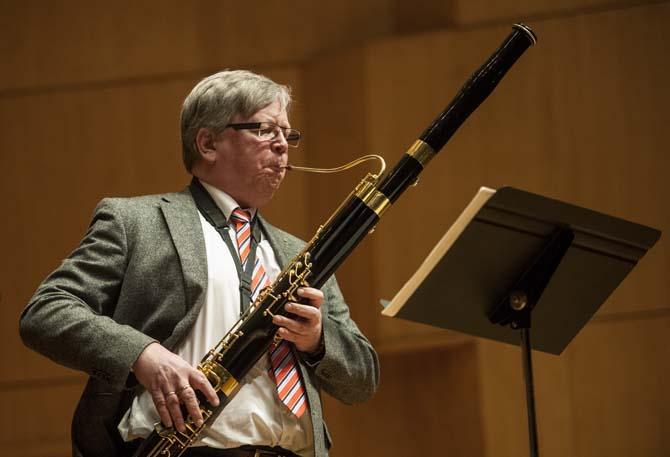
(204, 140)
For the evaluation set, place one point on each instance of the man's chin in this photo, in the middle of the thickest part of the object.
(266, 190)
(272, 181)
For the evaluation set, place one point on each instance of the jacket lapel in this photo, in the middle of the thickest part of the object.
(181, 216)
(284, 246)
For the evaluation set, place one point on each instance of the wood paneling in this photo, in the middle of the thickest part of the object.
(39, 418)
(46, 44)
(619, 381)
(478, 12)
(67, 43)
(420, 16)
(74, 42)
(427, 404)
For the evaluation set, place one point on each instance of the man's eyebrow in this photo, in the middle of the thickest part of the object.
(273, 120)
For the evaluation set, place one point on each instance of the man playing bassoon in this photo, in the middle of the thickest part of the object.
(157, 282)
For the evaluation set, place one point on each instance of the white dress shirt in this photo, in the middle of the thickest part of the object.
(255, 415)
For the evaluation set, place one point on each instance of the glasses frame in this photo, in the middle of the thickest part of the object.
(289, 133)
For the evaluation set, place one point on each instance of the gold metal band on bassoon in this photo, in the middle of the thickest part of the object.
(366, 187)
(219, 377)
(378, 202)
(373, 199)
(229, 386)
(422, 152)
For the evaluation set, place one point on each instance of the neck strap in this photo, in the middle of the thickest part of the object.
(213, 214)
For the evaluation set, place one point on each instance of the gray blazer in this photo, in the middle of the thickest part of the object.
(140, 275)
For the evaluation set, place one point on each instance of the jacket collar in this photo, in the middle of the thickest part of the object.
(183, 222)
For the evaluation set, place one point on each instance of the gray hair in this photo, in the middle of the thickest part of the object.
(215, 100)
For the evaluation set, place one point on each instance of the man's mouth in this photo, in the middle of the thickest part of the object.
(277, 167)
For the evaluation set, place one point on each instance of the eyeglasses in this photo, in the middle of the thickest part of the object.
(267, 131)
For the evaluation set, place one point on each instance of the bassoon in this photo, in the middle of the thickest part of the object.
(250, 338)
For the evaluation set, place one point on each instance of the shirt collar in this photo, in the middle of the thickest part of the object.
(225, 202)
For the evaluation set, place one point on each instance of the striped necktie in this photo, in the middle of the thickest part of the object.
(284, 369)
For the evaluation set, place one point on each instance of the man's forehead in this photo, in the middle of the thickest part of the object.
(272, 112)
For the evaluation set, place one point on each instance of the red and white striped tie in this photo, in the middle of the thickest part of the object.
(284, 369)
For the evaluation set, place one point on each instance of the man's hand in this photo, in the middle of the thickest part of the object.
(305, 331)
(171, 382)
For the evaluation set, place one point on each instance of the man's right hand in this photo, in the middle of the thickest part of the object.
(171, 382)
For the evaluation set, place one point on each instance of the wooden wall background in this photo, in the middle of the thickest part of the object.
(89, 102)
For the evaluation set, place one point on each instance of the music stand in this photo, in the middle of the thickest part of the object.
(512, 254)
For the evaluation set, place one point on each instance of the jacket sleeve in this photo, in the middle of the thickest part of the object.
(349, 369)
(69, 319)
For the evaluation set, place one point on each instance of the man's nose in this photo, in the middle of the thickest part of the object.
(279, 144)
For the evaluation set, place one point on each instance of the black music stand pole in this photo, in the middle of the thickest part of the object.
(530, 391)
(516, 307)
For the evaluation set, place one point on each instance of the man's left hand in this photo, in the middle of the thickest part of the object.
(305, 331)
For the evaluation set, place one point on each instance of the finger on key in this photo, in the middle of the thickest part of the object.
(172, 400)
(161, 407)
(199, 382)
(187, 396)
